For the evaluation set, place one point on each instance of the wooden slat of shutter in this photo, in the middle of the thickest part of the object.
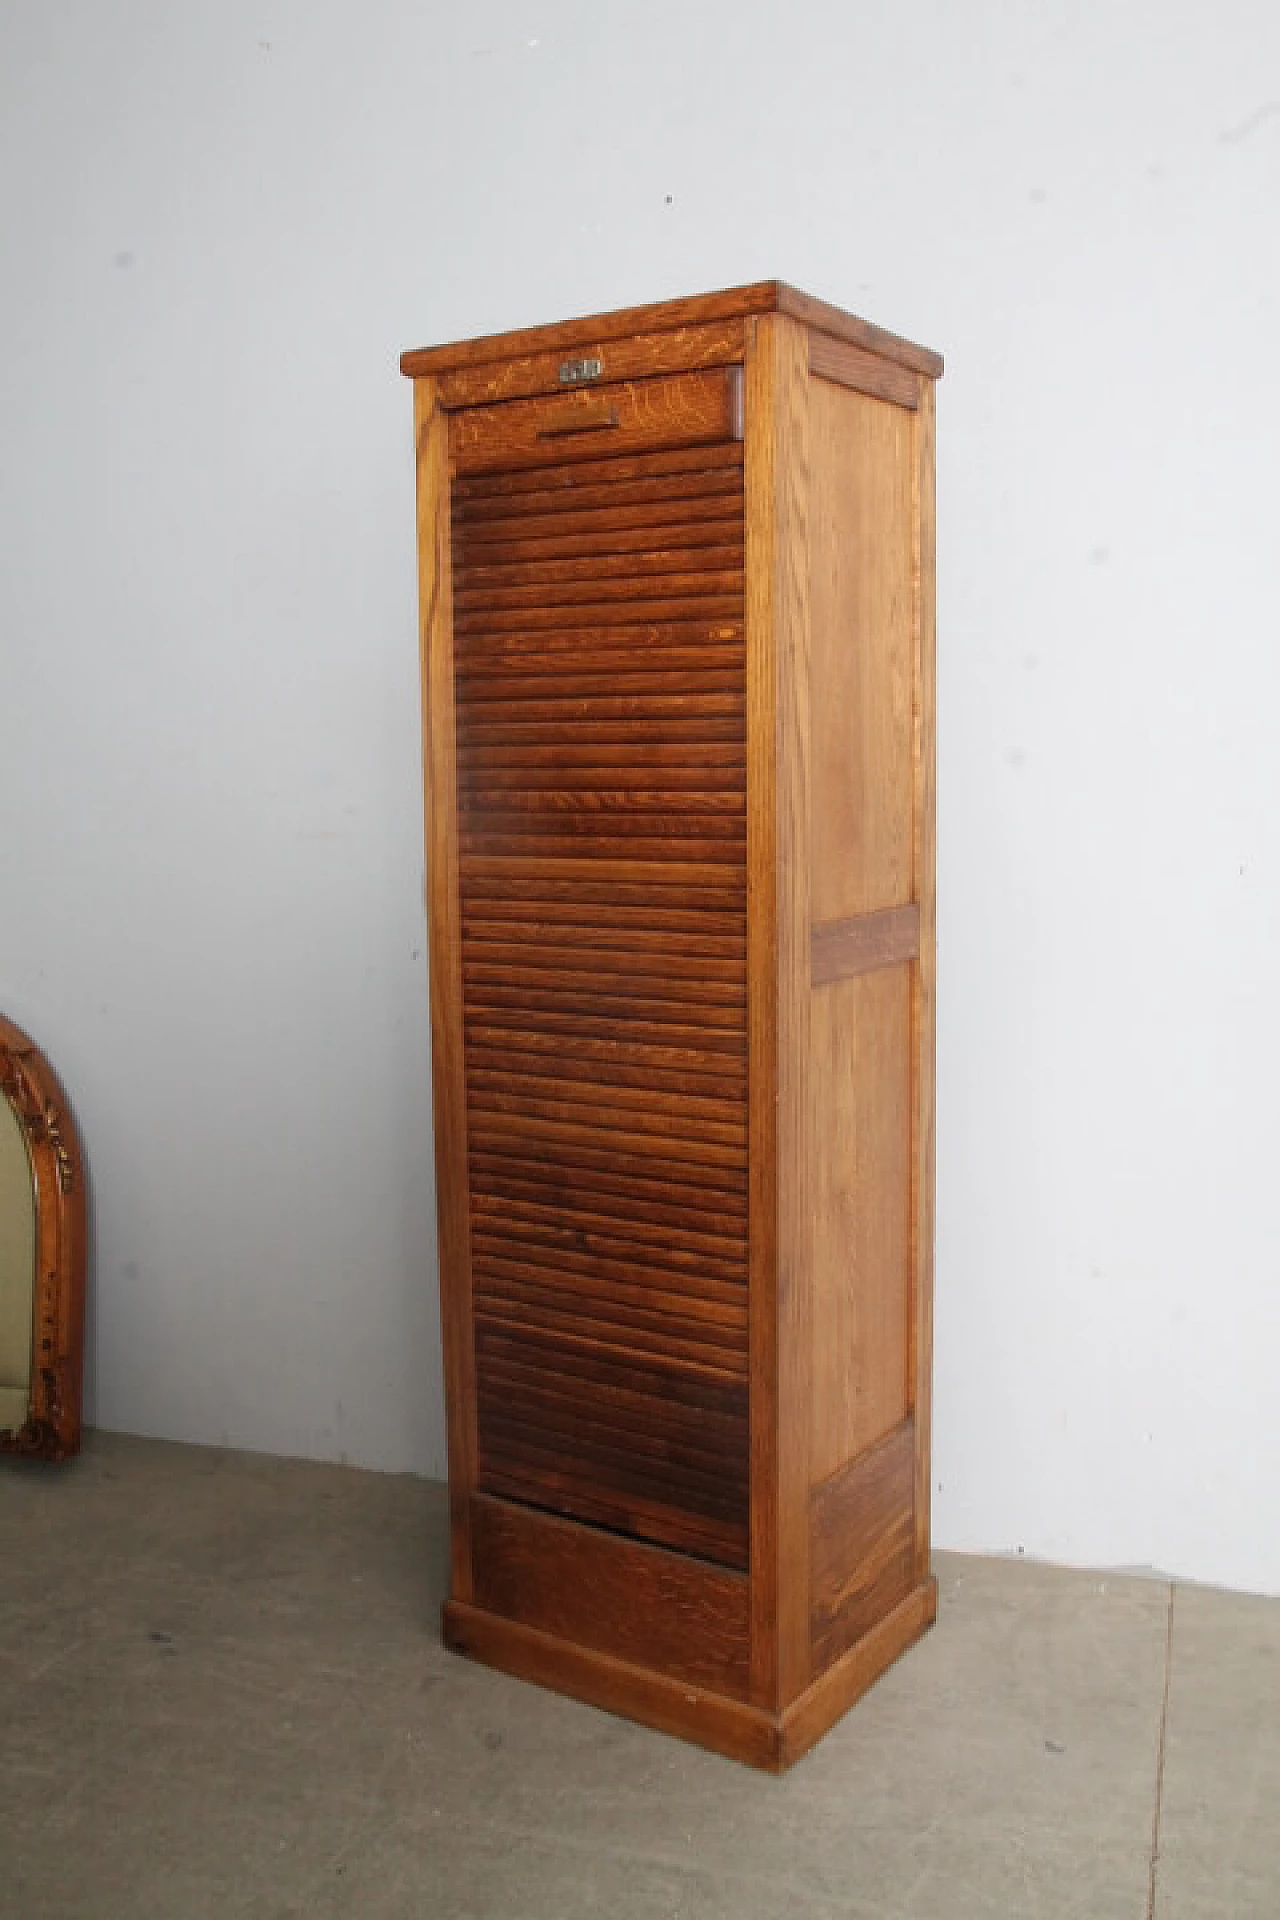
(602, 831)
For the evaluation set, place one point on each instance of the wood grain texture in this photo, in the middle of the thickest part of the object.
(610, 1227)
(443, 926)
(651, 1445)
(839, 949)
(820, 317)
(635, 357)
(761, 297)
(655, 1609)
(836, 1690)
(860, 584)
(28, 1082)
(678, 409)
(860, 1186)
(851, 366)
(862, 1544)
(706, 1717)
(681, 721)
(920, 1349)
(760, 406)
(643, 479)
(792, 508)
(772, 1742)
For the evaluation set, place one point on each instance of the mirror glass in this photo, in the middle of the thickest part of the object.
(17, 1269)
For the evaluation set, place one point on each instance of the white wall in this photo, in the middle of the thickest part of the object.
(219, 223)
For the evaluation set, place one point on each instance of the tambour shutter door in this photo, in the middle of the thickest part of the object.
(600, 690)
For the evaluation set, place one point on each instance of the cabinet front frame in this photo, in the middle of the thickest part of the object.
(448, 1069)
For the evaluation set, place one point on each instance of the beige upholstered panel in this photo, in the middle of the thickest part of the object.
(17, 1268)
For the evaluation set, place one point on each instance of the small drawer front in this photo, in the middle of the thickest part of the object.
(634, 416)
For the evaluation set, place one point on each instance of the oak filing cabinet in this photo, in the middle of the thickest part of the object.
(678, 667)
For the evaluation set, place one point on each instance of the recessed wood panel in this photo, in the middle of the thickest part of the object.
(862, 1544)
(636, 1603)
(860, 1082)
(862, 651)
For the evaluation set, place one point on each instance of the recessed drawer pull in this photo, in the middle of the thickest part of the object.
(579, 420)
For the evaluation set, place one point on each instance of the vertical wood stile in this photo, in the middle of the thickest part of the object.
(920, 1345)
(448, 1076)
(762, 1000)
(778, 379)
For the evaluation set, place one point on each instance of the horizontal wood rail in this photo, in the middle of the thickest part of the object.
(838, 949)
(851, 366)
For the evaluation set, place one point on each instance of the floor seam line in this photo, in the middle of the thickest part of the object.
(1160, 1747)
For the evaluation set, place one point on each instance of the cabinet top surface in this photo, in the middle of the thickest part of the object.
(763, 296)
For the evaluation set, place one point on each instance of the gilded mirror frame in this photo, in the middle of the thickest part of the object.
(36, 1097)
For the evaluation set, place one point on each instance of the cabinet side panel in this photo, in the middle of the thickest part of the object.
(863, 601)
(863, 650)
(920, 1386)
(449, 1099)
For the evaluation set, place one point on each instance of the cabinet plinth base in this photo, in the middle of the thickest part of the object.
(750, 1734)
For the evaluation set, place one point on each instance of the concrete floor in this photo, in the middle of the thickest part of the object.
(223, 1694)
